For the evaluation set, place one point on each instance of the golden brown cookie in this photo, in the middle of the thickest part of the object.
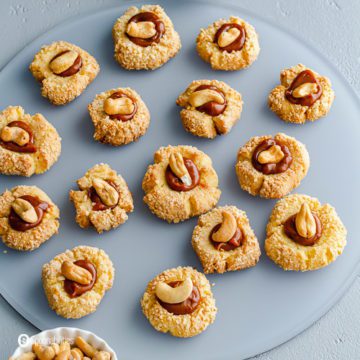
(28, 218)
(29, 144)
(179, 301)
(103, 200)
(211, 108)
(224, 241)
(271, 166)
(119, 116)
(181, 184)
(228, 44)
(303, 95)
(145, 38)
(76, 281)
(304, 235)
(64, 71)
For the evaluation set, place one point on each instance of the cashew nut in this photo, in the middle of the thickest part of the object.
(273, 155)
(63, 355)
(63, 62)
(227, 228)
(304, 90)
(56, 348)
(177, 165)
(43, 353)
(25, 210)
(15, 134)
(75, 273)
(102, 355)
(76, 354)
(25, 356)
(175, 295)
(63, 351)
(122, 106)
(141, 29)
(201, 97)
(227, 37)
(64, 345)
(108, 195)
(85, 347)
(305, 222)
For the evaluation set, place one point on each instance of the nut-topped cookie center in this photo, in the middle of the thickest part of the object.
(66, 63)
(178, 297)
(230, 37)
(17, 136)
(141, 30)
(145, 29)
(80, 277)
(177, 166)
(181, 174)
(303, 227)
(103, 194)
(208, 99)
(226, 235)
(77, 349)
(273, 154)
(305, 222)
(119, 106)
(26, 212)
(271, 157)
(304, 90)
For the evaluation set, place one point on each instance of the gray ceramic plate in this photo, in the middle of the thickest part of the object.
(258, 308)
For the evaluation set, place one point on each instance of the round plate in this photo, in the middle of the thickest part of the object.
(258, 308)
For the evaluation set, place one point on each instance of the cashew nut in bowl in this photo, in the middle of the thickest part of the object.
(177, 165)
(201, 97)
(61, 344)
(227, 228)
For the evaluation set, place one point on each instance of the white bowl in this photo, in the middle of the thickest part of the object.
(56, 335)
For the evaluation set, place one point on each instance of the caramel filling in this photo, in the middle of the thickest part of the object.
(98, 205)
(271, 167)
(40, 208)
(305, 77)
(176, 184)
(75, 289)
(291, 231)
(123, 117)
(29, 147)
(72, 69)
(212, 108)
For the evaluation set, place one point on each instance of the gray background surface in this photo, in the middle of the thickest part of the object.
(329, 24)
